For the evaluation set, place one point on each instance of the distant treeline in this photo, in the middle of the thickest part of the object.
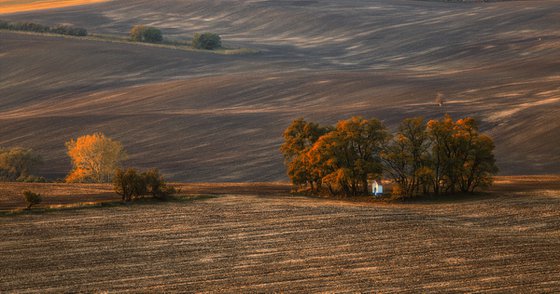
(39, 28)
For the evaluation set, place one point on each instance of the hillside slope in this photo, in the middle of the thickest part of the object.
(208, 117)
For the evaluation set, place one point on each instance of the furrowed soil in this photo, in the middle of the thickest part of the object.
(219, 118)
(505, 241)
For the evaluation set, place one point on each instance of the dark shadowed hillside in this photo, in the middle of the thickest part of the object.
(210, 117)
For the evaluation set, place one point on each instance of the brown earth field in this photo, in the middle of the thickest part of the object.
(219, 118)
(261, 239)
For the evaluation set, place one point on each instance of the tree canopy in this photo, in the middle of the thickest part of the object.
(94, 158)
(207, 41)
(439, 156)
(18, 164)
(141, 33)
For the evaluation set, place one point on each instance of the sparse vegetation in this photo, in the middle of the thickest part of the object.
(18, 164)
(207, 41)
(441, 156)
(32, 198)
(95, 158)
(38, 28)
(141, 33)
(131, 184)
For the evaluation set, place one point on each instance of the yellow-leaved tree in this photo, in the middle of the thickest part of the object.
(94, 158)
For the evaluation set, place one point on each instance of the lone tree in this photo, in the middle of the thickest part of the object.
(17, 164)
(95, 158)
(141, 33)
(207, 41)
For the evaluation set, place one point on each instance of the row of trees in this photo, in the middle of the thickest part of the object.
(206, 41)
(38, 28)
(438, 156)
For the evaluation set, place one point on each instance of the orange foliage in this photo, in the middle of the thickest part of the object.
(10, 6)
(95, 158)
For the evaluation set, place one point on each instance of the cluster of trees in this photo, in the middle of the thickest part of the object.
(131, 184)
(38, 28)
(18, 164)
(207, 41)
(438, 156)
(141, 33)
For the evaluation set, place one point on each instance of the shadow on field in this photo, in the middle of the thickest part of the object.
(106, 204)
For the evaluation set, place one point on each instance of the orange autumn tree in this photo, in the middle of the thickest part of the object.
(435, 157)
(94, 158)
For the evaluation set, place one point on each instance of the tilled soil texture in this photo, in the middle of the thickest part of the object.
(219, 118)
(507, 241)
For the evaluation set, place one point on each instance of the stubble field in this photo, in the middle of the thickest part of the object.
(262, 241)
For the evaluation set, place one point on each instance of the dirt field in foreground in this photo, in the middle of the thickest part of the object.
(508, 241)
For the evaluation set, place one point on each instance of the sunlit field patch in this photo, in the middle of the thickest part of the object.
(13, 6)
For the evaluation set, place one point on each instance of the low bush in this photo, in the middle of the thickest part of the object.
(207, 41)
(68, 30)
(32, 179)
(32, 198)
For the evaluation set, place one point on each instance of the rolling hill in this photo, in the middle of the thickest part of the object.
(210, 117)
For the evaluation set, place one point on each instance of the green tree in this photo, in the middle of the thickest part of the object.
(141, 33)
(207, 41)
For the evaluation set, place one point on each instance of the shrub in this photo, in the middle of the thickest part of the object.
(32, 198)
(17, 163)
(208, 41)
(68, 30)
(142, 33)
(32, 179)
(4, 25)
(130, 184)
(29, 27)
